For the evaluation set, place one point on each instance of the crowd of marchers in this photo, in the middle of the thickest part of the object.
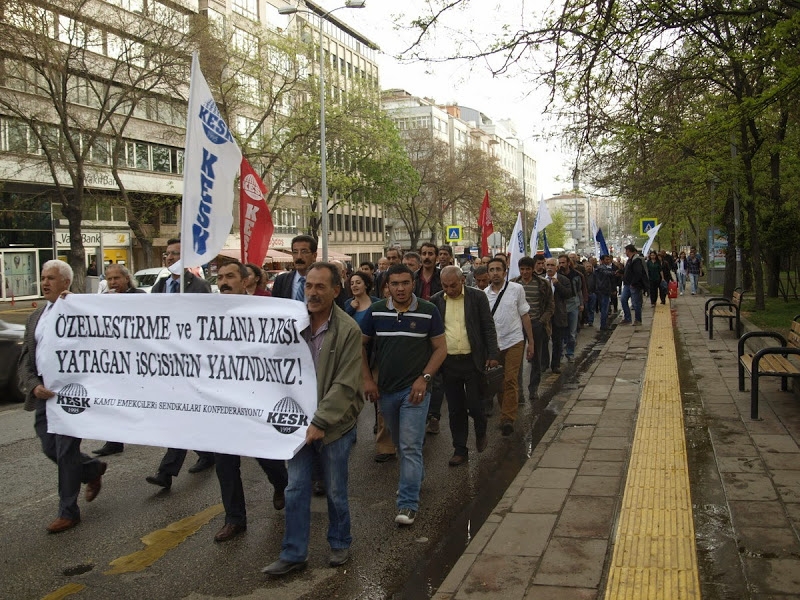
(405, 334)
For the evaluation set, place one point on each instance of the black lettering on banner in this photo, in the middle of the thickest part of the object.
(184, 330)
(276, 330)
(167, 364)
(226, 329)
(111, 362)
(132, 327)
(254, 368)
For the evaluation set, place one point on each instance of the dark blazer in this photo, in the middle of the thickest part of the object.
(563, 291)
(436, 283)
(191, 285)
(282, 288)
(480, 325)
(27, 371)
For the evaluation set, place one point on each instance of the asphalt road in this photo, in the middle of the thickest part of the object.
(187, 563)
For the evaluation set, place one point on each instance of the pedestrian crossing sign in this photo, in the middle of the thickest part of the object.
(454, 233)
(646, 225)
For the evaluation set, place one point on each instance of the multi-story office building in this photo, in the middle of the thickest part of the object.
(582, 211)
(113, 39)
(459, 127)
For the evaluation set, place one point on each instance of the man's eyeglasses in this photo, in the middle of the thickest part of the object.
(303, 252)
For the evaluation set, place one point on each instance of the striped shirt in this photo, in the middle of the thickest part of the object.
(402, 340)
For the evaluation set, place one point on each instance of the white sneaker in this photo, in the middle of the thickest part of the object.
(406, 516)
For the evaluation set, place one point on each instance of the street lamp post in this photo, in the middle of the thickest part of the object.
(323, 159)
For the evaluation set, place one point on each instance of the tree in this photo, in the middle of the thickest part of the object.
(75, 85)
(557, 230)
(677, 84)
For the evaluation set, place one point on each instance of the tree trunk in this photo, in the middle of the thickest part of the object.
(76, 256)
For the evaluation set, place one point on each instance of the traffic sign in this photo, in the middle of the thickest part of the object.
(454, 233)
(647, 224)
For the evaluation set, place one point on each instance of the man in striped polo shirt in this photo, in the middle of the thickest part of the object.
(410, 347)
(539, 296)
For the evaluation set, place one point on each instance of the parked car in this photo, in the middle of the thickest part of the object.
(271, 275)
(10, 347)
(212, 281)
(147, 278)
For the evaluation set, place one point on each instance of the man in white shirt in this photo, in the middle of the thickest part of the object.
(513, 325)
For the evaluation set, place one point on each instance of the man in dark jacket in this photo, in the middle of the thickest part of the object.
(173, 459)
(471, 348)
(292, 284)
(74, 467)
(633, 283)
(562, 291)
(427, 283)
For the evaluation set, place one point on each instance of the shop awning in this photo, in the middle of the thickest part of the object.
(273, 255)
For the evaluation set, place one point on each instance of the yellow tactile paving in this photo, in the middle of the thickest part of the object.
(654, 552)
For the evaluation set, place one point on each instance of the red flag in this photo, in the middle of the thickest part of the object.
(255, 220)
(486, 225)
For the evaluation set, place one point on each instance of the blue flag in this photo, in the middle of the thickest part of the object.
(600, 239)
(547, 253)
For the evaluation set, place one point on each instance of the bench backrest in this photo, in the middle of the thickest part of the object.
(793, 338)
(736, 298)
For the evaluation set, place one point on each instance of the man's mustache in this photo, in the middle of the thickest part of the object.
(225, 287)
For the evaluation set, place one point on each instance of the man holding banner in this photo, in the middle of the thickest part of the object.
(74, 467)
(231, 279)
(173, 459)
(335, 343)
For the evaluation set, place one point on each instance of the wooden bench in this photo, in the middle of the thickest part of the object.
(773, 361)
(724, 308)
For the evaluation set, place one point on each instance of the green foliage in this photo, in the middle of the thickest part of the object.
(557, 230)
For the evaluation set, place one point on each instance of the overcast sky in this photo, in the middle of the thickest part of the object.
(468, 84)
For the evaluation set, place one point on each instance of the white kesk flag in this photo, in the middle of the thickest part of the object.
(516, 248)
(651, 236)
(543, 219)
(211, 163)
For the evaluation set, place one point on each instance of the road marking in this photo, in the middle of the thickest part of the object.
(161, 541)
(64, 591)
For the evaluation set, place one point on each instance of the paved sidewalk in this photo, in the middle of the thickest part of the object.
(552, 534)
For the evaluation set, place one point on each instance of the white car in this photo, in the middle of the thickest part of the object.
(147, 278)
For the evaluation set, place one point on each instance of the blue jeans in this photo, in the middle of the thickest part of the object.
(334, 457)
(682, 282)
(693, 278)
(572, 326)
(635, 296)
(406, 422)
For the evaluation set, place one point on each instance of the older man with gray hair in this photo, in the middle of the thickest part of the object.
(74, 467)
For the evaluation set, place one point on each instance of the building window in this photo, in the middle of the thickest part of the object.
(169, 215)
(161, 159)
(246, 8)
(245, 42)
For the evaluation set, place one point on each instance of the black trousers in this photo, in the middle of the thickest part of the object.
(74, 467)
(230, 483)
(541, 356)
(462, 384)
(437, 396)
(558, 335)
(173, 460)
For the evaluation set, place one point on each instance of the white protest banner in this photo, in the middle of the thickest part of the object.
(217, 372)
(516, 248)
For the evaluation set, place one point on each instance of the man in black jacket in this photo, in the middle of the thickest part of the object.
(471, 348)
(633, 283)
(292, 284)
(173, 459)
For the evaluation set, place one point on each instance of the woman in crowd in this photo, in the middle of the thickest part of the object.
(654, 275)
(682, 270)
(255, 281)
(360, 287)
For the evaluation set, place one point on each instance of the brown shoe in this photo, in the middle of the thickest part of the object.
(62, 524)
(228, 531)
(481, 443)
(457, 460)
(93, 487)
(278, 500)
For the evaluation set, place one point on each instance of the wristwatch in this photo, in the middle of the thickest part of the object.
(427, 377)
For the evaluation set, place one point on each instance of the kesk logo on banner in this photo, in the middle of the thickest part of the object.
(255, 220)
(211, 162)
(202, 371)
